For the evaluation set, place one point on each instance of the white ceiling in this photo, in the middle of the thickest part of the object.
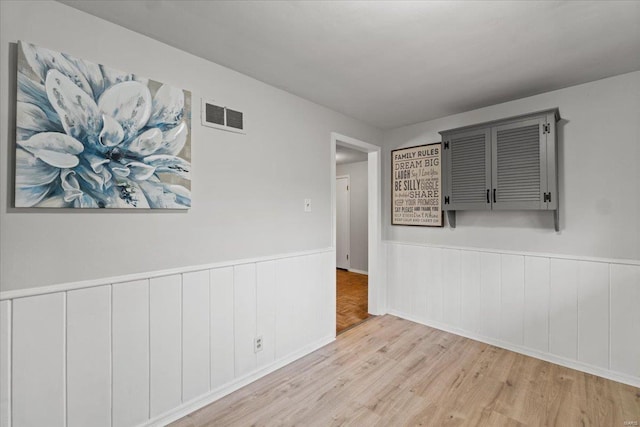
(392, 63)
(346, 155)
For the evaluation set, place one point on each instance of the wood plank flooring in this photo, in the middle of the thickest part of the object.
(351, 299)
(393, 372)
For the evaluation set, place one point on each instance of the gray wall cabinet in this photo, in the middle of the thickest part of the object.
(508, 164)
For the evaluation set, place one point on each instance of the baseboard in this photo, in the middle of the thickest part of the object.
(202, 401)
(547, 357)
(353, 270)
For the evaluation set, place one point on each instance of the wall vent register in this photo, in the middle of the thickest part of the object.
(221, 117)
(508, 164)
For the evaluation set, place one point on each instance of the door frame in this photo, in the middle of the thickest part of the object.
(377, 300)
(348, 178)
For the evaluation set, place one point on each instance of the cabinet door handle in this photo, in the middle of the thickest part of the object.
(488, 200)
(494, 195)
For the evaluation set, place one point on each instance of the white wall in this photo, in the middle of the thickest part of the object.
(508, 278)
(359, 232)
(599, 154)
(248, 191)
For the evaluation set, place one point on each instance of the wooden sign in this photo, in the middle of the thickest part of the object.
(416, 186)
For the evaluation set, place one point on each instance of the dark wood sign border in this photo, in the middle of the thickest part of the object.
(392, 190)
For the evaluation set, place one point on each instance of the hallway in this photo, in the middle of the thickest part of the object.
(351, 299)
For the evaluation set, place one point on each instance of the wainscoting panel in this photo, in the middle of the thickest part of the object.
(625, 319)
(577, 312)
(195, 335)
(266, 311)
(536, 303)
(451, 287)
(418, 270)
(288, 331)
(38, 375)
(512, 299)
(593, 313)
(295, 309)
(222, 327)
(394, 274)
(432, 277)
(563, 308)
(165, 314)
(321, 302)
(147, 351)
(402, 268)
(244, 297)
(89, 357)
(470, 276)
(130, 347)
(490, 294)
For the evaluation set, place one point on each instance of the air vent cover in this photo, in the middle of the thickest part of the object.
(214, 114)
(234, 119)
(220, 117)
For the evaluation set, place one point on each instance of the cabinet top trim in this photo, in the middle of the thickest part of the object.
(554, 111)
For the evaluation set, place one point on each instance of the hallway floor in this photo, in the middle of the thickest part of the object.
(351, 299)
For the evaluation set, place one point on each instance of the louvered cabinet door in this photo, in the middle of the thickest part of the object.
(468, 170)
(519, 158)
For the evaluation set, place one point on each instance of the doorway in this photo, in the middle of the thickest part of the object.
(351, 238)
(364, 270)
(351, 299)
(343, 222)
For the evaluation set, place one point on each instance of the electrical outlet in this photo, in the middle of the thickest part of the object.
(257, 344)
(307, 205)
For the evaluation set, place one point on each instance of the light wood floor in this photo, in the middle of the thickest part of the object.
(351, 299)
(392, 372)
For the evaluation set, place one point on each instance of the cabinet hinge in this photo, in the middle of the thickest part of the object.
(446, 145)
(547, 197)
(446, 200)
(546, 128)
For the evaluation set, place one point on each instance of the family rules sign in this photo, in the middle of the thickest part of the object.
(416, 186)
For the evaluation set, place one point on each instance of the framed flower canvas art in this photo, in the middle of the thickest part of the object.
(89, 136)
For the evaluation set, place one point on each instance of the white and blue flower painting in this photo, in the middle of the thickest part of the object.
(89, 136)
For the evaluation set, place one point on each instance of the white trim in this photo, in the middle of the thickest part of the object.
(377, 263)
(201, 401)
(347, 264)
(111, 354)
(377, 284)
(149, 344)
(62, 287)
(547, 357)
(353, 270)
(10, 361)
(622, 261)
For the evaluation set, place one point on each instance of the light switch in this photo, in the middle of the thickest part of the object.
(307, 205)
